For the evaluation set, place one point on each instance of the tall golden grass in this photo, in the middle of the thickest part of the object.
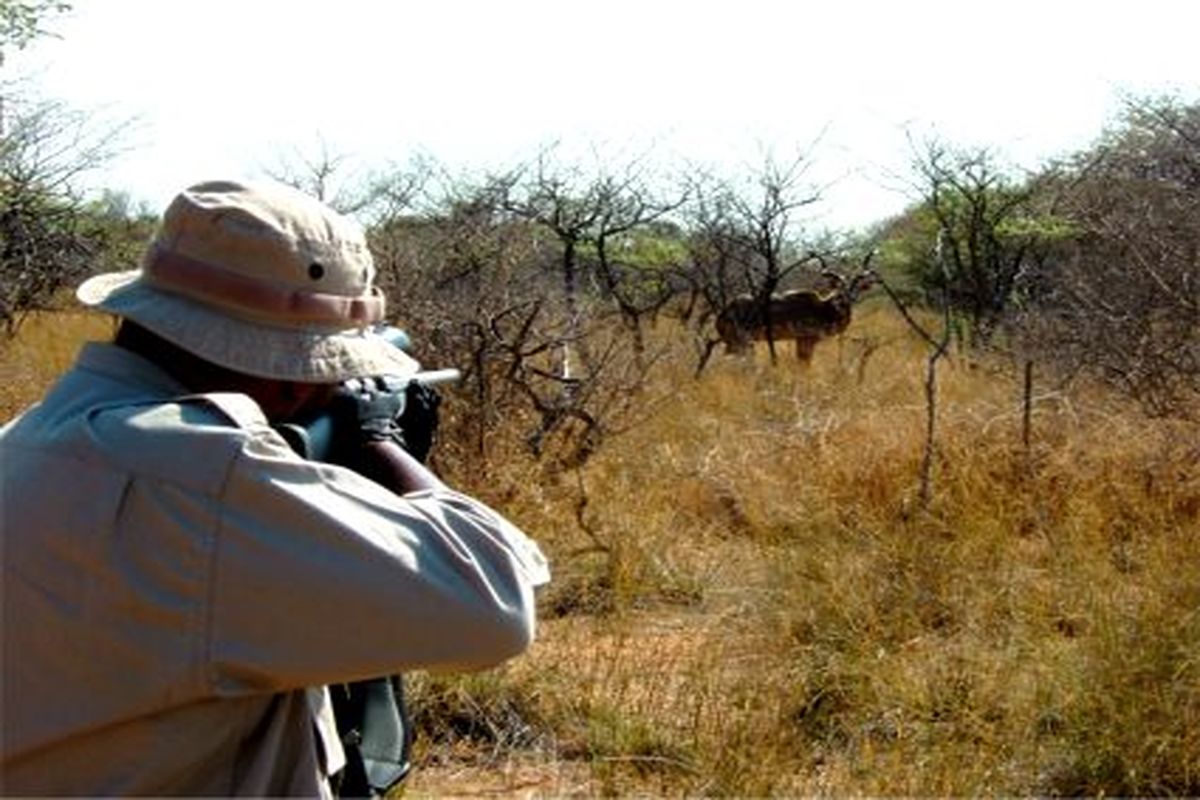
(774, 612)
(46, 345)
(753, 601)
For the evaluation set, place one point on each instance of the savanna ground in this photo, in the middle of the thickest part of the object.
(752, 601)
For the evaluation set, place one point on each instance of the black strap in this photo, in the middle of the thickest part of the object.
(376, 735)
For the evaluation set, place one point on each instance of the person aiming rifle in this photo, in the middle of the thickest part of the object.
(182, 589)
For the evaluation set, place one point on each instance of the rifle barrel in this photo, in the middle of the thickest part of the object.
(435, 376)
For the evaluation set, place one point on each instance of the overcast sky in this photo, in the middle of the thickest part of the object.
(228, 87)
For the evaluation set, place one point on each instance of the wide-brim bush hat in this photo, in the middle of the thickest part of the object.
(262, 279)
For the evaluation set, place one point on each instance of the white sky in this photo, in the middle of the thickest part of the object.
(225, 87)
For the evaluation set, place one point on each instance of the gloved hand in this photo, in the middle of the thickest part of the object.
(366, 410)
(363, 410)
(383, 409)
(418, 419)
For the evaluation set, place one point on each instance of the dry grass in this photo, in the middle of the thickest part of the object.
(758, 605)
(775, 614)
(47, 344)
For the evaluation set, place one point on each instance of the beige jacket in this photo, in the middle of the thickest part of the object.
(174, 579)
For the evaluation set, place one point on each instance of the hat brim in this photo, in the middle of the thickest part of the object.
(305, 355)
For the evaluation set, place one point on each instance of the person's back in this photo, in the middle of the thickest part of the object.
(179, 586)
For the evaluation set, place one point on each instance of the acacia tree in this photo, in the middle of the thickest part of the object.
(635, 281)
(370, 195)
(321, 174)
(987, 226)
(454, 268)
(1120, 296)
(480, 288)
(562, 202)
(586, 225)
(49, 236)
(747, 239)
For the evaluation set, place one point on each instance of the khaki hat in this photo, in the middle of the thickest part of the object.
(262, 279)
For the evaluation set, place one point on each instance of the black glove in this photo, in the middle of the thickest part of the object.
(363, 410)
(418, 419)
(368, 410)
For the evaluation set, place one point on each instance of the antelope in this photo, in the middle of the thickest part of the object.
(802, 315)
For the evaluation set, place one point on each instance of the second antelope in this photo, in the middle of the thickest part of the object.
(802, 315)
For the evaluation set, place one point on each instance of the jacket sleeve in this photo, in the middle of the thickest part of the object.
(319, 575)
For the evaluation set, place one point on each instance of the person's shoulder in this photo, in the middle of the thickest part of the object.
(185, 416)
(190, 440)
(229, 408)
